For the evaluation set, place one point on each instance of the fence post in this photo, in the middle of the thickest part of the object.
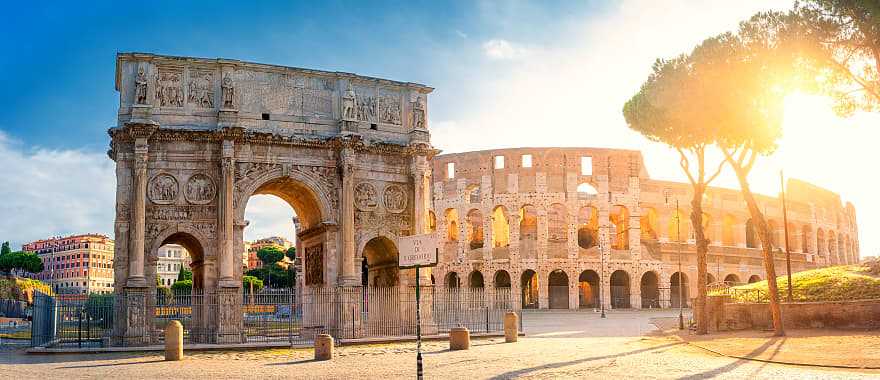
(487, 319)
(323, 347)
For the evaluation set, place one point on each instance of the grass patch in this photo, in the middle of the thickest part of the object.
(23, 334)
(838, 283)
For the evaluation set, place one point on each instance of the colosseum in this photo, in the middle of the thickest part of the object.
(552, 222)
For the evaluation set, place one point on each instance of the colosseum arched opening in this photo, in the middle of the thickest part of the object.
(620, 290)
(557, 283)
(588, 289)
(650, 290)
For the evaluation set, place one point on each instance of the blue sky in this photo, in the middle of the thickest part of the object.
(507, 74)
(58, 61)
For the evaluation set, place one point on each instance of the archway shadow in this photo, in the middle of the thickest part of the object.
(524, 371)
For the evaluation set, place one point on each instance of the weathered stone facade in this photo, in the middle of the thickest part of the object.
(197, 137)
(501, 222)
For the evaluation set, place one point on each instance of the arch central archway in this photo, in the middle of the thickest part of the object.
(311, 210)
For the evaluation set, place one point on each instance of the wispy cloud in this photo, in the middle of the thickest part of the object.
(53, 192)
(501, 49)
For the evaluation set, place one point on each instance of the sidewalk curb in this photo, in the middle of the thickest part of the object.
(839, 366)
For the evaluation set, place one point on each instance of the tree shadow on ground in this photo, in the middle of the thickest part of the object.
(731, 366)
(524, 371)
(112, 364)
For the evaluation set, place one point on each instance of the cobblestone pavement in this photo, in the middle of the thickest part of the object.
(559, 345)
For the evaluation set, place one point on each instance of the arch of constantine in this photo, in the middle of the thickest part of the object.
(197, 137)
(542, 221)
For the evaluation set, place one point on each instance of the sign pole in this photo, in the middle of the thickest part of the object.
(418, 327)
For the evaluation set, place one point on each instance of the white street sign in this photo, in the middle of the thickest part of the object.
(417, 250)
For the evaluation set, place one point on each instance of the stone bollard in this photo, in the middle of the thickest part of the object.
(459, 338)
(174, 341)
(511, 327)
(323, 347)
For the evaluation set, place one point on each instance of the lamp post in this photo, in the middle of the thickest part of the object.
(678, 245)
(785, 227)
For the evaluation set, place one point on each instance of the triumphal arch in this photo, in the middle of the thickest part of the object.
(197, 137)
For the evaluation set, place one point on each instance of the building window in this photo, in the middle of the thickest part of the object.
(450, 170)
(586, 165)
(499, 162)
(527, 160)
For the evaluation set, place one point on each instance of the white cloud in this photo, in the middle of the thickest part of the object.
(500, 49)
(268, 216)
(461, 34)
(53, 192)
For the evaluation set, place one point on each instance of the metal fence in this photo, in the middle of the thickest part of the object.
(13, 308)
(288, 316)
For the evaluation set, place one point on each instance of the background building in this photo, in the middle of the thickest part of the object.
(255, 246)
(171, 258)
(75, 264)
(551, 223)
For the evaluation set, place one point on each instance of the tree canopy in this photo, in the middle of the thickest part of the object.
(291, 253)
(5, 249)
(24, 261)
(270, 255)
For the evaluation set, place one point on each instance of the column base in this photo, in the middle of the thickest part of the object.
(136, 282)
(229, 283)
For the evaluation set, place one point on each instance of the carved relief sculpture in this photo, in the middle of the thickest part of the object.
(348, 104)
(365, 197)
(141, 87)
(389, 107)
(169, 88)
(394, 199)
(314, 265)
(200, 90)
(163, 189)
(199, 189)
(366, 105)
(418, 114)
(228, 89)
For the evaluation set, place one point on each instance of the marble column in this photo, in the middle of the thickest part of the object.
(421, 177)
(136, 277)
(226, 214)
(349, 274)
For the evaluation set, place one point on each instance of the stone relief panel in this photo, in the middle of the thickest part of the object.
(163, 189)
(394, 199)
(365, 197)
(284, 93)
(169, 88)
(397, 224)
(201, 89)
(200, 189)
(366, 104)
(389, 107)
(314, 265)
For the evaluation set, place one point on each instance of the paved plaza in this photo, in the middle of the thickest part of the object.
(558, 345)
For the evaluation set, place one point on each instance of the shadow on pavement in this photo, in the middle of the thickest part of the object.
(525, 371)
(729, 367)
(112, 364)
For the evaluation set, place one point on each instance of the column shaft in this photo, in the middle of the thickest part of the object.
(138, 215)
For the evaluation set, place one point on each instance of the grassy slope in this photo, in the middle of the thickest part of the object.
(839, 283)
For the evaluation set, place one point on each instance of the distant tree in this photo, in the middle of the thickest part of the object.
(291, 253)
(184, 274)
(270, 255)
(250, 281)
(184, 286)
(675, 106)
(5, 249)
(23, 261)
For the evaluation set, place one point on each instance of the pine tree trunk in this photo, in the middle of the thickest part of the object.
(702, 261)
(766, 249)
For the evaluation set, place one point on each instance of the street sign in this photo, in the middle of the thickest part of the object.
(417, 251)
